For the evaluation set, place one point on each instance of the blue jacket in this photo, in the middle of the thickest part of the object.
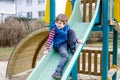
(61, 36)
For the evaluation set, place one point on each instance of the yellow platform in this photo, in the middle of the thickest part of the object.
(117, 10)
(47, 12)
(68, 9)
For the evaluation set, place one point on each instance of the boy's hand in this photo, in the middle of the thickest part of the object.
(80, 41)
(46, 53)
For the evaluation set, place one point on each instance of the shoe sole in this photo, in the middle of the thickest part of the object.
(55, 77)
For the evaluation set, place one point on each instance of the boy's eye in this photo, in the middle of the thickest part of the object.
(59, 23)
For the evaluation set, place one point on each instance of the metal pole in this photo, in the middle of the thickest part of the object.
(105, 41)
(73, 1)
(75, 71)
(115, 51)
(52, 11)
(115, 44)
(75, 67)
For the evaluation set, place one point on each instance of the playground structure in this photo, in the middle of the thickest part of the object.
(83, 29)
(117, 10)
(24, 56)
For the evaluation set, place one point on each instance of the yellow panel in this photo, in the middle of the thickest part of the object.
(68, 9)
(117, 10)
(47, 12)
(107, 79)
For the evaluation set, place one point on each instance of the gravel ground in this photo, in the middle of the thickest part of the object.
(3, 65)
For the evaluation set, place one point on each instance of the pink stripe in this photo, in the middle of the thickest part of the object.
(50, 38)
(48, 42)
(51, 35)
(48, 45)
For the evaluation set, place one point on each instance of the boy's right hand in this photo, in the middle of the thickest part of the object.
(46, 53)
(80, 41)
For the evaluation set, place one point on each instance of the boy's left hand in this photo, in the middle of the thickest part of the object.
(46, 53)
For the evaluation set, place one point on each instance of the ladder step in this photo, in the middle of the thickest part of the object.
(112, 71)
(115, 24)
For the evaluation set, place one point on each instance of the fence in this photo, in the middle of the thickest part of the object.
(90, 62)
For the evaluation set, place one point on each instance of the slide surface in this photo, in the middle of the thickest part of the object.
(46, 67)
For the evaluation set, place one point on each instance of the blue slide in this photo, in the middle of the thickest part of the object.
(46, 66)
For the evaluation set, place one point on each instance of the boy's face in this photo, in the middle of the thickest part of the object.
(59, 24)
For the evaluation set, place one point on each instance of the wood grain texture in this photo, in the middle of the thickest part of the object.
(25, 54)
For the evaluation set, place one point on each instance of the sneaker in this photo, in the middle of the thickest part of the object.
(57, 76)
(72, 48)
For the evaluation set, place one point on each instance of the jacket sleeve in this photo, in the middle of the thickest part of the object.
(50, 39)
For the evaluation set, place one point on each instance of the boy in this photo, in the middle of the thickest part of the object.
(62, 37)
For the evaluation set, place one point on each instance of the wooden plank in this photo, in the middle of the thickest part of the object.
(84, 10)
(92, 73)
(95, 3)
(37, 51)
(90, 10)
(109, 58)
(19, 67)
(89, 62)
(79, 65)
(101, 63)
(87, 1)
(83, 61)
(95, 63)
